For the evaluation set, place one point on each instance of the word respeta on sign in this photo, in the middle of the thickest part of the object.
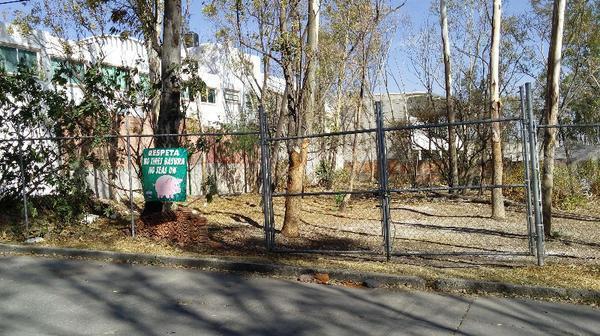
(165, 152)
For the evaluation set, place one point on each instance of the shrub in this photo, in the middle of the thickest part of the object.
(515, 175)
(325, 174)
(572, 187)
(341, 178)
(209, 188)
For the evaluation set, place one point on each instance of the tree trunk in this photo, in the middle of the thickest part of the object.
(359, 108)
(300, 125)
(551, 112)
(344, 204)
(335, 142)
(283, 110)
(294, 178)
(450, 113)
(498, 211)
(154, 77)
(293, 204)
(152, 33)
(245, 161)
(170, 116)
(310, 85)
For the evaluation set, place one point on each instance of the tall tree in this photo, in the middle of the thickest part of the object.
(450, 113)
(498, 211)
(170, 115)
(300, 124)
(551, 109)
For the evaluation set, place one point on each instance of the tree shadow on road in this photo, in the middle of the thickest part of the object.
(68, 297)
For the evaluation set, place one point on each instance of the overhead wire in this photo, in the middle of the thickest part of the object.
(12, 1)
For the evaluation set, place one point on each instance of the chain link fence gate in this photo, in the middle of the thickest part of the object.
(397, 237)
(330, 232)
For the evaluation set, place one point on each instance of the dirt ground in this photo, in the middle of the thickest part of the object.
(419, 225)
(459, 237)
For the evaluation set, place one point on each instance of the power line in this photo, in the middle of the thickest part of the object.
(12, 1)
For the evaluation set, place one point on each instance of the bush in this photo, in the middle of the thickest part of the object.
(209, 188)
(515, 175)
(575, 187)
(329, 178)
(572, 188)
(325, 174)
(589, 176)
(341, 178)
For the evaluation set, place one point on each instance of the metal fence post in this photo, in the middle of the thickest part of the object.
(130, 176)
(23, 181)
(526, 169)
(383, 179)
(266, 180)
(535, 181)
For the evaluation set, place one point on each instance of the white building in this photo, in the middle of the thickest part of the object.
(231, 76)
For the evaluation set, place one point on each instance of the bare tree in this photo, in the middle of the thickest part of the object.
(298, 152)
(551, 111)
(450, 113)
(498, 211)
(289, 13)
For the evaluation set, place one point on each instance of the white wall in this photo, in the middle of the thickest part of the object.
(219, 66)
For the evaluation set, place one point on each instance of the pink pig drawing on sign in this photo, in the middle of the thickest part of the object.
(167, 186)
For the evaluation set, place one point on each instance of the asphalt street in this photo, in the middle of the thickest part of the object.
(42, 296)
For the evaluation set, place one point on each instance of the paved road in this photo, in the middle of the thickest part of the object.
(40, 296)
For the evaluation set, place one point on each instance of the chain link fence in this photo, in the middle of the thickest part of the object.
(376, 187)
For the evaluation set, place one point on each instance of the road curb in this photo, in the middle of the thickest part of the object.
(480, 287)
(399, 281)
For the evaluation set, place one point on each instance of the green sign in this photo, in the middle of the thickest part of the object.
(164, 174)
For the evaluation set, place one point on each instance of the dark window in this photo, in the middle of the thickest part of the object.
(212, 94)
(208, 95)
(73, 71)
(115, 76)
(10, 58)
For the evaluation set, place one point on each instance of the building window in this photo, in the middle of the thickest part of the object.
(212, 95)
(10, 58)
(145, 83)
(208, 95)
(72, 72)
(232, 96)
(115, 76)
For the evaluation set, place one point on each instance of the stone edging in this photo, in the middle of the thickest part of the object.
(232, 265)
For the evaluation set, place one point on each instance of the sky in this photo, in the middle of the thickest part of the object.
(401, 78)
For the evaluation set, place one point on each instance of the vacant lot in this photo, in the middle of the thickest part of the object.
(419, 226)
